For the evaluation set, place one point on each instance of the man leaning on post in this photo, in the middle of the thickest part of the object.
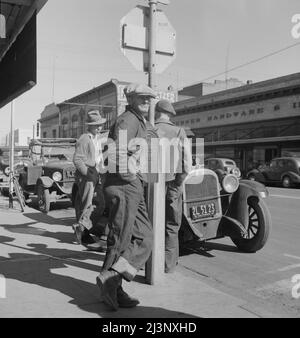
(130, 239)
(174, 180)
(87, 157)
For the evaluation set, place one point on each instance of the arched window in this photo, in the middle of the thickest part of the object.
(81, 121)
(74, 126)
(64, 128)
(107, 113)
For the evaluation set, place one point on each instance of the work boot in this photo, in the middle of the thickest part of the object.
(108, 281)
(82, 234)
(99, 246)
(124, 300)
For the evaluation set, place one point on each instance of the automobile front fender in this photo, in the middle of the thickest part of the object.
(259, 176)
(238, 208)
(62, 189)
(46, 182)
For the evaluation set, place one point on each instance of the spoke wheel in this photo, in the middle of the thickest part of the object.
(258, 229)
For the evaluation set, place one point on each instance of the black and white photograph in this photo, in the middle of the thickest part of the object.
(149, 162)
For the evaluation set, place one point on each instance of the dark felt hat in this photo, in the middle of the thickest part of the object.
(165, 106)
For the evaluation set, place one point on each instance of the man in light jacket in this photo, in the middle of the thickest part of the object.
(87, 159)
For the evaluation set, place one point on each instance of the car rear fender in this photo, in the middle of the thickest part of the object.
(238, 208)
(293, 176)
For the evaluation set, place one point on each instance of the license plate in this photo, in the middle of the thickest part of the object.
(203, 210)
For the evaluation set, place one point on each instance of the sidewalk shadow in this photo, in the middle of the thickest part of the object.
(27, 229)
(74, 258)
(44, 218)
(38, 270)
(204, 248)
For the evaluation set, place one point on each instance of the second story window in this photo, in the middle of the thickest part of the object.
(277, 107)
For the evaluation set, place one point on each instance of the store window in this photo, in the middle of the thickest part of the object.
(65, 127)
(277, 107)
(74, 126)
(81, 121)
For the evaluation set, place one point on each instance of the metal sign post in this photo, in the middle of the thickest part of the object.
(156, 191)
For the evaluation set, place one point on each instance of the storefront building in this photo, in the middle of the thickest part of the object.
(67, 119)
(250, 124)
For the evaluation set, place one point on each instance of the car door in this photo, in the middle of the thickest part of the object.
(270, 172)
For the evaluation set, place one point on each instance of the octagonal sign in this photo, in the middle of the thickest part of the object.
(135, 39)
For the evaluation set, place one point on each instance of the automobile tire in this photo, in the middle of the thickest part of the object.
(259, 228)
(43, 198)
(286, 182)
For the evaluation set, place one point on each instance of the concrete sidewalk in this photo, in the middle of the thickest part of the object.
(47, 274)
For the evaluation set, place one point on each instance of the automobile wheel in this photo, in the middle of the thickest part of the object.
(43, 199)
(258, 229)
(286, 182)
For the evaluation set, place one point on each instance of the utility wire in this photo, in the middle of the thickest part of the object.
(251, 62)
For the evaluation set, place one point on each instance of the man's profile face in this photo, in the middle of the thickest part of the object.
(94, 130)
(141, 103)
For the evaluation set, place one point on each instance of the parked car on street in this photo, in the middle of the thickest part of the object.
(50, 172)
(216, 206)
(222, 165)
(282, 170)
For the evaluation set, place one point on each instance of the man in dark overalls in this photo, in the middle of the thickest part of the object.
(130, 239)
(174, 179)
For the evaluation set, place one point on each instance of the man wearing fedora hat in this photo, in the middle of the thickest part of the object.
(129, 242)
(87, 159)
(174, 179)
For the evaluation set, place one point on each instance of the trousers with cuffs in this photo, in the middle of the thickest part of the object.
(130, 238)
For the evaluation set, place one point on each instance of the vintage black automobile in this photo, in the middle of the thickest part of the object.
(216, 206)
(283, 170)
(50, 173)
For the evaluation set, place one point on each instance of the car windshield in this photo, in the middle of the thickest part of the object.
(53, 152)
(229, 163)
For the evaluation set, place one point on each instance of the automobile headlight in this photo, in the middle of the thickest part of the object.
(57, 176)
(230, 183)
(6, 171)
(236, 172)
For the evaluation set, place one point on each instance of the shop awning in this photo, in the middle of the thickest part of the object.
(17, 47)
